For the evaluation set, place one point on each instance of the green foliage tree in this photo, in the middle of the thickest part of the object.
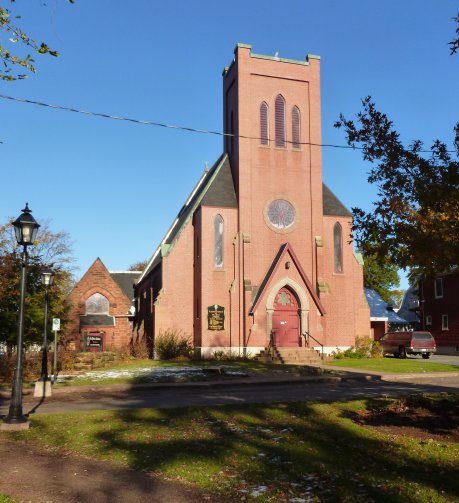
(138, 266)
(380, 275)
(15, 63)
(51, 248)
(415, 221)
(455, 42)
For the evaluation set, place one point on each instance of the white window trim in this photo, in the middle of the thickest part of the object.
(437, 296)
(443, 325)
(428, 319)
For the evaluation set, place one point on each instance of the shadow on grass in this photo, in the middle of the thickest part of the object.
(437, 415)
(278, 452)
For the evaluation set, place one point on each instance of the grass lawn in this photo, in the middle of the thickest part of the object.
(246, 366)
(297, 452)
(394, 365)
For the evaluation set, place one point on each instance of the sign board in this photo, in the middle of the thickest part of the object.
(56, 324)
(216, 317)
(94, 342)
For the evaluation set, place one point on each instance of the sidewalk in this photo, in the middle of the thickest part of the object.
(335, 375)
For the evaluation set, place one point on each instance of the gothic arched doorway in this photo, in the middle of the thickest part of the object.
(286, 319)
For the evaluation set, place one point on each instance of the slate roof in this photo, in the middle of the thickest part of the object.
(216, 188)
(97, 320)
(410, 300)
(332, 206)
(381, 309)
(125, 281)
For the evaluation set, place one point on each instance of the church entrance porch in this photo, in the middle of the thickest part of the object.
(286, 319)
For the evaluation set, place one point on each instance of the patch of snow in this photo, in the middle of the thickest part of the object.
(258, 491)
(157, 374)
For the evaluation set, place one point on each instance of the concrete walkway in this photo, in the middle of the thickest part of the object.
(332, 374)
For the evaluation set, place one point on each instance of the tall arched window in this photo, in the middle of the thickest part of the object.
(97, 304)
(279, 116)
(218, 243)
(338, 247)
(264, 124)
(296, 127)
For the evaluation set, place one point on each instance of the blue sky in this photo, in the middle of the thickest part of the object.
(116, 186)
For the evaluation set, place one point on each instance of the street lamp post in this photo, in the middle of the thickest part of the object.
(25, 228)
(47, 277)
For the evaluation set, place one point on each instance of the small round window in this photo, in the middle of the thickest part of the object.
(281, 214)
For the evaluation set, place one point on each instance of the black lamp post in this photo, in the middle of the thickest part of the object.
(47, 278)
(26, 229)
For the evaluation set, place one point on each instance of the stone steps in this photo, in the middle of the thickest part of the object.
(292, 356)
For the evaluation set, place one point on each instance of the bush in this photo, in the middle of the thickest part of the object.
(172, 344)
(365, 347)
(231, 355)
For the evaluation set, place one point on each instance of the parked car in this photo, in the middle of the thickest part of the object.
(402, 344)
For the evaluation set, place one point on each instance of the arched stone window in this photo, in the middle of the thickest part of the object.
(97, 304)
(338, 247)
(264, 124)
(296, 127)
(218, 242)
(279, 116)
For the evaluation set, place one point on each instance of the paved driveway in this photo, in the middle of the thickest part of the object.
(446, 359)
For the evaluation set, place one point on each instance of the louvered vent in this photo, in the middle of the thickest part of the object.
(280, 121)
(296, 127)
(264, 126)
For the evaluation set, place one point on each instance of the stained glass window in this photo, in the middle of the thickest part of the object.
(97, 304)
(296, 127)
(280, 121)
(264, 125)
(338, 247)
(218, 245)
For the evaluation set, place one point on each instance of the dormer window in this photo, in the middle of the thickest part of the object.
(279, 116)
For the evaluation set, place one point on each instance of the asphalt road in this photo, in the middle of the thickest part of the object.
(242, 394)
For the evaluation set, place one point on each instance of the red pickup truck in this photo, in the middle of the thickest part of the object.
(402, 344)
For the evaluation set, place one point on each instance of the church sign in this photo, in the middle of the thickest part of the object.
(216, 317)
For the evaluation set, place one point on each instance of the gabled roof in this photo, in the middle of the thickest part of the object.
(125, 281)
(409, 304)
(332, 206)
(215, 188)
(381, 310)
(283, 250)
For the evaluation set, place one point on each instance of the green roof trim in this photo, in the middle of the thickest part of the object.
(243, 46)
(186, 214)
(359, 257)
(165, 249)
(282, 60)
(312, 56)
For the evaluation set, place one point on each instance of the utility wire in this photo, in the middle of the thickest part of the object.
(181, 128)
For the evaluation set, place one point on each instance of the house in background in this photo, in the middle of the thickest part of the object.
(439, 310)
(101, 310)
(382, 316)
(259, 254)
(409, 308)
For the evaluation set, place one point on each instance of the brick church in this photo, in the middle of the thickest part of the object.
(259, 254)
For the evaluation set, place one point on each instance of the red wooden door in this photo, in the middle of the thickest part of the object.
(286, 320)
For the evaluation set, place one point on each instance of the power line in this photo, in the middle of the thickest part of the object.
(180, 128)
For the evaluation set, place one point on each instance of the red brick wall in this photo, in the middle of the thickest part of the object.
(97, 279)
(436, 307)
